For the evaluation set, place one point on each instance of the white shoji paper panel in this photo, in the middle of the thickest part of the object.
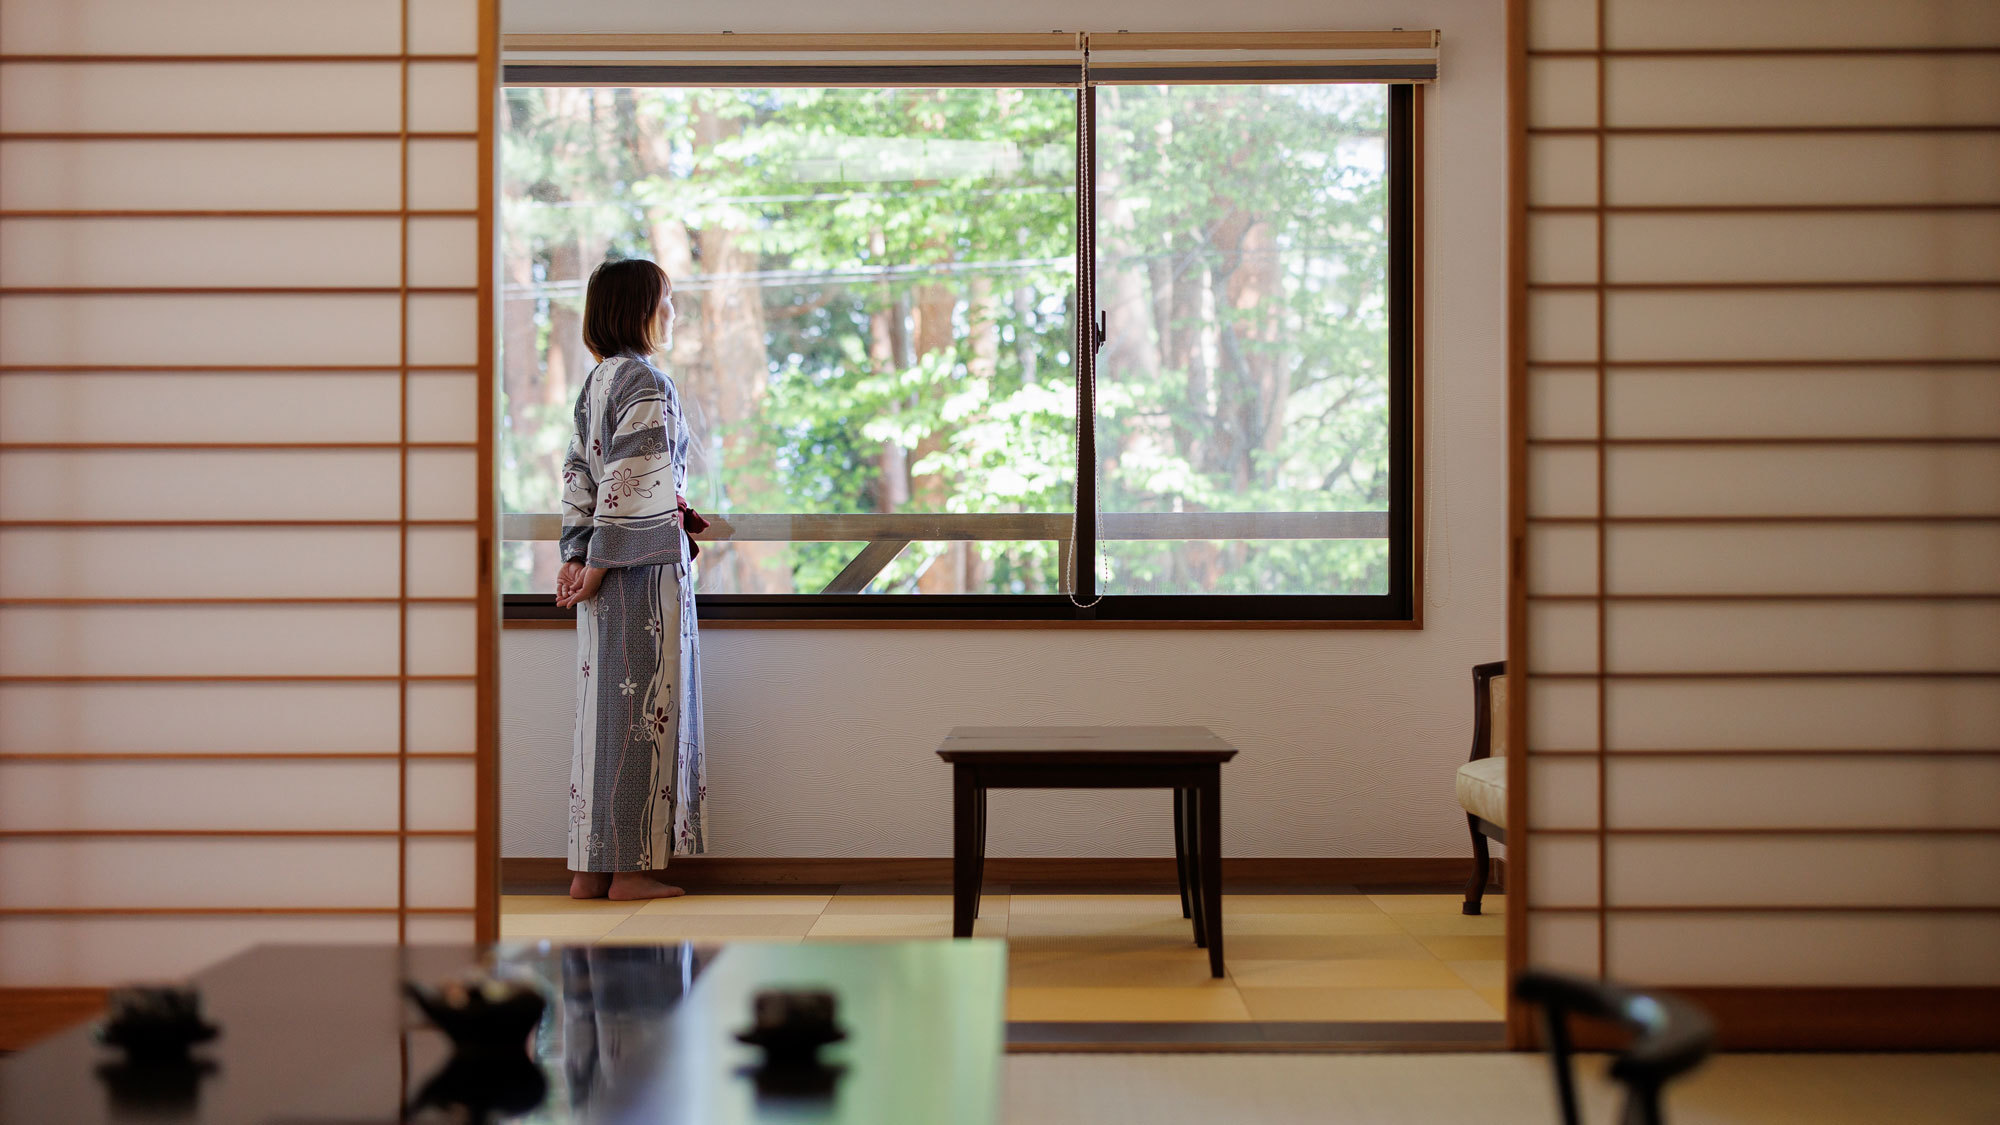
(1865, 246)
(194, 253)
(126, 718)
(200, 27)
(203, 485)
(1840, 90)
(1562, 171)
(1805, 637)
(1806, 402)
(1563, 248)
(1562, 870)
(266, 562)
(442, 873)
(443, 796)
(67, 952)
(438, 929)
(444, 252)
(1562, 559)
(1806, 481)
(443, 640)
(1563, 327)
(1638, 24)
(1794, 324)
(444, 406)
(443, 562)
(1563, 941)
(260, 796)
(1562, 402)
(1804, 714)
(444, 330)
(208, 175)
(111, 874)
(443, 484)
(1562, 715)
(1804, 870)
(1799, 169)
(444, 175)
(1911, 558)
(1562, 482)
(1562, 25)
(1800, 950)
(444, 97)
(443, 27)
(202, 329)
(146, 407)
(198, 641)
(443, 718)
(201, 98)
(1562, 792)
(1807, 791)
(1562, 93)
(1562, 637)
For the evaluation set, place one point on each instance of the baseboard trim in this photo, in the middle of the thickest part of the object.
(542, 874)
(28, 1015)
(1835, 1019)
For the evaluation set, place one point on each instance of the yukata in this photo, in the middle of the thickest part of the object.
(637, 782)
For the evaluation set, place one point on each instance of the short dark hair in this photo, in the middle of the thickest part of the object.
(621, 307)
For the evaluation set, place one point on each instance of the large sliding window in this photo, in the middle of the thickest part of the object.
(991, 339)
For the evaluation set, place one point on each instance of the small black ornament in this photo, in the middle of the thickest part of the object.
(154, 1024)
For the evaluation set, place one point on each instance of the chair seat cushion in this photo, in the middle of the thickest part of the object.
(1482, 789)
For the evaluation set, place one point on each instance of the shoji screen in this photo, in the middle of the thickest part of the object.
(243, 494)
(1761, 344)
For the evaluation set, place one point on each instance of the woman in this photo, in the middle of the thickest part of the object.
(636, 774)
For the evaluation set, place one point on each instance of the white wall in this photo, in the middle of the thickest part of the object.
(821, 741)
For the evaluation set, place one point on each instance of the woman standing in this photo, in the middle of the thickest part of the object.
(636, 774)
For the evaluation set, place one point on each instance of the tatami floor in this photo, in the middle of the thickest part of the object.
(1119, 958)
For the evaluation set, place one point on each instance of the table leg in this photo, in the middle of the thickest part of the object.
(979, 856)
(1180, 848)
(965, 846)
(1210, 835)
(1191, 831)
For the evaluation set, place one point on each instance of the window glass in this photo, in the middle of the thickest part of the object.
(874, 293)
(1243, 387)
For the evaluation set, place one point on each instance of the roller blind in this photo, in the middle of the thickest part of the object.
(1032, 59)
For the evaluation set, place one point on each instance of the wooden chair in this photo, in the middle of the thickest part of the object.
(1482, 781)
(1670, 1037)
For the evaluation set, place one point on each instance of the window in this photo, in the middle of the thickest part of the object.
(879, 351)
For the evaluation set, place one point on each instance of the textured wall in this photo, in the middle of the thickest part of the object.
(821, 741)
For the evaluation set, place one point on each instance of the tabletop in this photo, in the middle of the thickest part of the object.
(1058, 745)
(632, 1033)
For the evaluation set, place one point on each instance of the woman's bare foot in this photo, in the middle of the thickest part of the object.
(589, 884)
(628, 885)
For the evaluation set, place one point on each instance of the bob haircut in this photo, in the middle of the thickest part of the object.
(621, 308)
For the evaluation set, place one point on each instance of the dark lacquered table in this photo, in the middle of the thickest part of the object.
(1187, 760)
(320, 1034)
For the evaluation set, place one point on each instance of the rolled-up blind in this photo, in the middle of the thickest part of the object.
(1061, 58)
(1133, 58)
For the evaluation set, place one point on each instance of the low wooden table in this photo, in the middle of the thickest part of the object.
(632, 1033)
(1187, 760)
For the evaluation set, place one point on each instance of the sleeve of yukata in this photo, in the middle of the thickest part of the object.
(637, 515)
(579, 494)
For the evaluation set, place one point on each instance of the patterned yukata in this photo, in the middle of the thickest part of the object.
(637, 779)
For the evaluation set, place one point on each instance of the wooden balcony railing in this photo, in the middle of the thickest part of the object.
(885, 536)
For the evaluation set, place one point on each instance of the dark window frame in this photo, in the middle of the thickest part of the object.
(1397, 608)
